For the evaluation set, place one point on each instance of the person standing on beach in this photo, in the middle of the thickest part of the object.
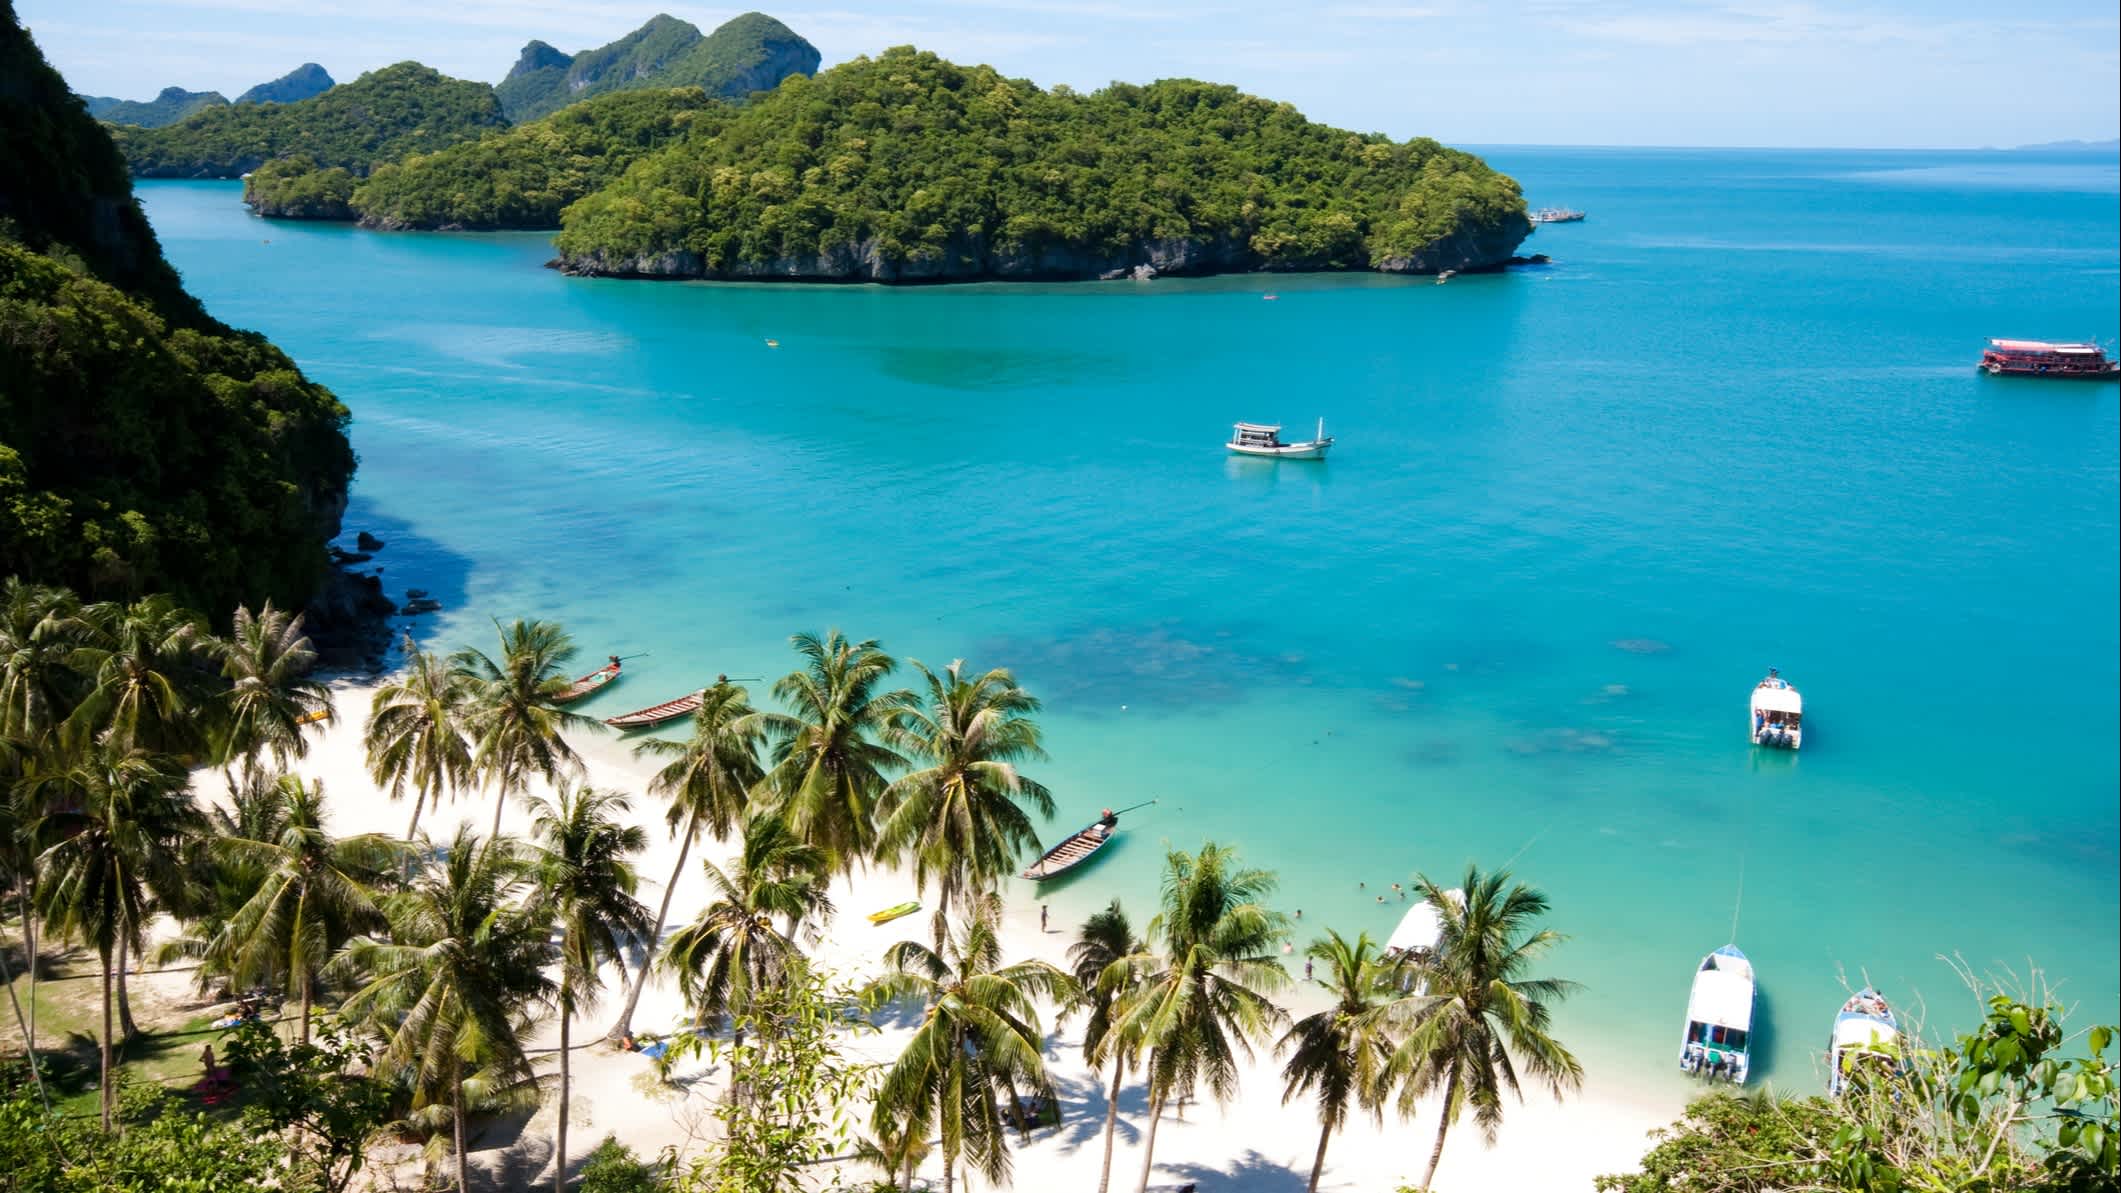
(1042, 918)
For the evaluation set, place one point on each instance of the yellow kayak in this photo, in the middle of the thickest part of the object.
(894, 912)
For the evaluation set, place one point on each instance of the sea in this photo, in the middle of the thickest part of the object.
(1574, 513)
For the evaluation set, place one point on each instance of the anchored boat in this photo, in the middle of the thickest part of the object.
(656, 714)
(1079, 846)
(1778, 713)
(2040, 358)
(1557, 215)
(1865, 1033)
(1262, 439)
(1719, 1018)
(591, 682)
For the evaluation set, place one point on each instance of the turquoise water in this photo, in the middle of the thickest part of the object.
(1575, 512)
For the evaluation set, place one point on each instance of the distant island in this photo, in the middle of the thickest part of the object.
(303, 82)
(750, 53)
(175, 103)
(2113, 146)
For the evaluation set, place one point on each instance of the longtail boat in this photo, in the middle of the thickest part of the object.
(1079, 847)
(591, 682)
(656, 714)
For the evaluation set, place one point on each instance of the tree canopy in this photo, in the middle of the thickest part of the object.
(753, 52)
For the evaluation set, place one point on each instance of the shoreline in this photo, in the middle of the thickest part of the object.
(1542, 1144)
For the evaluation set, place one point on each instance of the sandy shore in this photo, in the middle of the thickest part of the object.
(1255, 1144)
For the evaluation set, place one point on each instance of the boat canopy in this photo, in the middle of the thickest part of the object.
(2045, 346)
(1784, 700)
(1862, 1032)
(1418, 930)
(1722, 998)
(1262, 428)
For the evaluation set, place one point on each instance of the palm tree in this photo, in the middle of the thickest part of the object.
(457, 986)
(734, 948)
(1480, 1018)
(979, 1039)
(315, 892)
(147, 683)
(707, 782)
(1100, 960)
(586, 884)
(416, 736)
(1204, 996)
(111, 839)
(961, 816)
(271, 696)
(1341, 1051)
(40, 628)
(515, 718)
(828, 760)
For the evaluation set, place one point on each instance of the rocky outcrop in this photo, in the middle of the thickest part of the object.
(967, 258)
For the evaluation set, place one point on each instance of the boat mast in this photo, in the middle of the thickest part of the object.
(1321, 429)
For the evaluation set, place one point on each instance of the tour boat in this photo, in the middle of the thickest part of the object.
(1260, 439)
(1420, 929)
(2039, 358)
(1865, 1031)
(591, 682)
(656, 714)
(1719, 1017)
(1778, 713)
(1557, 215)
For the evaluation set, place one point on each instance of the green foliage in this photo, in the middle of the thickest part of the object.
(613, 1168)
(164, 1149)
(172, 105)
(383, 115)
(1733, 1143)
(300, 83)
(523, 177)
(295, 188)
(318, 1092)
(910, 166)
(751, 53)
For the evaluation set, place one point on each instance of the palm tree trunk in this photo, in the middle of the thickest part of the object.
(28, 1041)
(29, 952)
(1450, 1094)
(1119, 1073)
(1156, 1115)
(624, 1026)
(103, 1090)
(500, 805)
(559, 1158)
(1325, 1134)
(419, 800)
(307, 998)
(949, 1170)
(456, 1116)
(125, 1005)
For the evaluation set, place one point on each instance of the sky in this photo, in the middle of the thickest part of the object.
(1893, 73)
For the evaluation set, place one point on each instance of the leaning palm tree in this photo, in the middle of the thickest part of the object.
(1340, 1052)
(458, 983)
(962, 816)
(271, 695)
(1481, 1019)
(1204, 994)
(734, 949)
(978, 1040)
(416, 733)
(707, 783)
(147, 682)
(828, 754)
(111, 840)
(1099, 958)
(514, 711)
(314, 894)
(585, 884)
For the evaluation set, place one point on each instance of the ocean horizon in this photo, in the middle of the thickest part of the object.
(1575, 512)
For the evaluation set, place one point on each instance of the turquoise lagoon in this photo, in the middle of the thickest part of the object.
(1575, 513)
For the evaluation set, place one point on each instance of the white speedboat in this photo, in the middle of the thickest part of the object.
(1420, 930)
(1777, 713)
(1719, 1018)
(1865, 1033)
(1260, 439)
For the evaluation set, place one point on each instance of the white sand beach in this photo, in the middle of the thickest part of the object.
(1255, 1144)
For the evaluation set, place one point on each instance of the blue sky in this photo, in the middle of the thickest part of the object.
(1896, 73)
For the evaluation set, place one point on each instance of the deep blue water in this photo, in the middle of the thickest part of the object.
(1575, 512)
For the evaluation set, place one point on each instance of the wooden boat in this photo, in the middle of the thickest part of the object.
(895, 911)
(656, 714)
(1719, 1018)
(591, 682)
(1079, 847)
(1778, 713)
(2040, 358)
(313, 716)
(1262, 439)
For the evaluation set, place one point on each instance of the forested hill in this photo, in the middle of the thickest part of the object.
(172, 105)
(301, 83)
(907, 167)
(381, 116)
(143, 445)
(750, 53)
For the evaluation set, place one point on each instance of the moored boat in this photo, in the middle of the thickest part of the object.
(1557, 215)
(1865, 1033)
(594, 681)
(657, 714)
(894, 912)
(2042, 358)
(1078, 847)
(1777, 713)
(1264, 439)
(1420, 930)
(1719, 1018)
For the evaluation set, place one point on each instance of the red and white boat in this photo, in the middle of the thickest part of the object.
(2040, 358)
